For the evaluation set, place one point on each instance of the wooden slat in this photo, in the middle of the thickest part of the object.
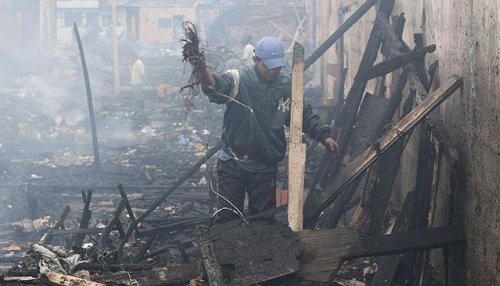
(67, 280)
(406, 241)
(297, 153)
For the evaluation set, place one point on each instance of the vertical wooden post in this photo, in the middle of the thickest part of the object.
(116, 65)
(296, 153)
(95, 144)
(48, 25)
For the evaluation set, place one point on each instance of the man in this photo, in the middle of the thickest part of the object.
(257, 102)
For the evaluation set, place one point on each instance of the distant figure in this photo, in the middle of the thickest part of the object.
(248, 51)
(137, 80)
(119, 31)
(162, 91)
(138, 73)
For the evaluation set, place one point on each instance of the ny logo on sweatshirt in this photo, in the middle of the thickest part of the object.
(284, 106)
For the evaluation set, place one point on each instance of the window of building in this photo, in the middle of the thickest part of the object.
(165, 23)
(177, 23)
(73, 17)
(106, 20)
(258, 2)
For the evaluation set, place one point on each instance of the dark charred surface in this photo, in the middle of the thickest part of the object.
(255, 253)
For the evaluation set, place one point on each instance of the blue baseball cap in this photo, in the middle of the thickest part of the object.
(270, 51)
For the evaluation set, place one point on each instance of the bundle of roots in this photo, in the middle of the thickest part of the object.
(191, 48)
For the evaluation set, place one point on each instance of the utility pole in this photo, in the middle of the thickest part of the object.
(116, 64)
(48, 25)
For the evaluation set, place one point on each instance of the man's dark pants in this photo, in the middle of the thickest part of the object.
(234, 182)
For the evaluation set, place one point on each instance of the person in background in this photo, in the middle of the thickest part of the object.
(137, 80)
(119, 32)
(257, 99)
(248, 51)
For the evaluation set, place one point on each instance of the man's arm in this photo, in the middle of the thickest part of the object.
(217, 88)
(314, 128)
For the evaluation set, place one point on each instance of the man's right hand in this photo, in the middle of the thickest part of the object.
(197, 60)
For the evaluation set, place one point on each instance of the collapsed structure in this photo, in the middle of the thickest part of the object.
(155, 227)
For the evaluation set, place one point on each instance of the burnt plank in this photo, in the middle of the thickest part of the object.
(324, 251)
(207, 248)
(408, 241)
(420, 62)
(95, 144)
(170, 275)
(396, 62)
(388, 264)
(47, 238)
(113, 224)
(339, 32)
(84, 221)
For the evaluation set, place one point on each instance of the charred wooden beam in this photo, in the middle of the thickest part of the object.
(113, 224)
(78, 231)
(47, 238)
(180, 180)
(392, 64)
(114, 267)
(363, 161)
(171, 275)
(385, 275)
(420, 62)
(140, 255)
(393, 47)
(180, 225)
(159, 251)
(95, 144)
(212, 267)
(99, 187)
(84, 221)
(67, 280)
(339, 32)
(128, 208)
(408, 241)
(415, 262)
(32, 200)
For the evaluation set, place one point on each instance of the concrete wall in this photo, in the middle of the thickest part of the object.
(467, 36)
(151, 33)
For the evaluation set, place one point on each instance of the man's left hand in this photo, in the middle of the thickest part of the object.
(331, 144)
